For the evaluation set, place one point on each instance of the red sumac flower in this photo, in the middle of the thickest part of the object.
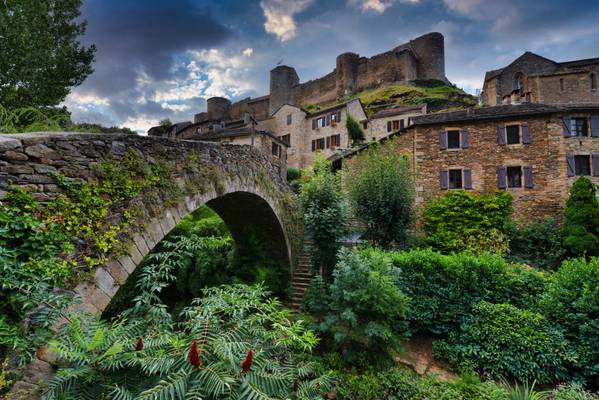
(194, 355)
(139, 346)
(247, 363)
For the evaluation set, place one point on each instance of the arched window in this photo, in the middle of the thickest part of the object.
(518, 81)
(593, 79)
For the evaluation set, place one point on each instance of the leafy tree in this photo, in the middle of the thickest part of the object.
(325, 213)
(362, 311)
(581, 219)
(381, 191)
(41, 57)
(461, 220)
(165, 124)
(538, 243)
(354, 130)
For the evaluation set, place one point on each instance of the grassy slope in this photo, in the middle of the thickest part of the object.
(436, 94)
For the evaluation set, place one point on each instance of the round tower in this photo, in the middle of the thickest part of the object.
(218, 108)
(430, 51)
(282, 81)
(347, 73)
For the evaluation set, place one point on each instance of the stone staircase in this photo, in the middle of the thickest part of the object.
(301, 278)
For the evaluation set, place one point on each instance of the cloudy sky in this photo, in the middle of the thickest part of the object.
(162, 58)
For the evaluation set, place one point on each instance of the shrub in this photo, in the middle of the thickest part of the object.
(456, 221)
(381, 191)
(325, 214)
(503, 340)
(444, 288)
(354, 130)
(539, 244)
(571, 301)
(364, 310)
(581, 219)
(572, 392)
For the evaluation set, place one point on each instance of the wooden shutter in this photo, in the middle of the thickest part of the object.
(595, 125)
(595, 162)
(338, 116)
(313, 145)
(328, 120)
(467, 178)
(442, 139)
(501, 135)
(501, 177)
(314, 123)
(525, 134)
(570, 163)
(567, 125)
(328, 142)
(444, 179)
(465, 142)
(389, 126)
(338, 139)
(528, 177)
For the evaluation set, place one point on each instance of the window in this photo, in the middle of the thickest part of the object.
(514, 177)
(519, 81)
(336, 140)
(286, 139)
(561, 86)
(289, 119)
(401, 124)
(582, 165)
(395, 125)
(276, 150)
(453, 139)
(455, 178)
(365, 125)
(579, 126)
(513, 134)
(593, 79)
(318, 144)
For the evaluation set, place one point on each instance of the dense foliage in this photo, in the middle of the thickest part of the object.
(462, 220)
(41, 57)
(233, 342)
(325, 213)
(354, 130)
(503, 340)
(538, 244)
(381, 191)
(362, 312)
(581, 219)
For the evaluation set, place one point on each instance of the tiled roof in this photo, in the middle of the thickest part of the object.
(331, 108)
(396, 111)
(231, 133)
(499, 112)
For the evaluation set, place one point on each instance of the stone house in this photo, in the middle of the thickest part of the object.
(533, 78)
(386, 122)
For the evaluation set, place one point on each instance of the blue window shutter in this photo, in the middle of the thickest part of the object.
(567, 125)
(328, 120)
(313, 145)
(444, 179)
(501, 135)
(570, 163)
(528, 183)
(467, 178)
(338, 116)
(595, 162)
(314, 123)
(525, 134)
(442, 139)
(389, 126)
(465, 141)
(501, 176)
(328, 142)
(595, 125)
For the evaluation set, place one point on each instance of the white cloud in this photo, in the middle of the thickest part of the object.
(279, 16)
(248, 52)
(462, 6)
(377, 6)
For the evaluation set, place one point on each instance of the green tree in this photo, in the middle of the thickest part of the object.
(41, 57)
(581, 219)
(381, 191)
(325, 213)
(354, 130)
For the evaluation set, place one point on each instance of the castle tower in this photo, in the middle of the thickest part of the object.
(218, 108)
(347, 73)
(282, 81)
(430, 52)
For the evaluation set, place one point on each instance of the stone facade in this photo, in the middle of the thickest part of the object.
(241, 184)
(532, 78)
(387, 122)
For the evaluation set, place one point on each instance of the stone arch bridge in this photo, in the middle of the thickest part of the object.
(242, 185)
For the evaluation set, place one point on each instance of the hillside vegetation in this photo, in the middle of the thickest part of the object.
(438, 95)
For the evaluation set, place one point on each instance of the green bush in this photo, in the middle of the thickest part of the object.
(501, 340)
(462, 220)
(581, 219)
(444, 288)
(571, 301)
(354, 130)
(381, 190)
(362, 312)
(539, 244)
(325, 214)
(571, 392)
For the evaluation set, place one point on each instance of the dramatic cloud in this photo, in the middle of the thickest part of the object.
(279, 16)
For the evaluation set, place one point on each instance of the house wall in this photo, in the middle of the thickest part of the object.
(577, 88)
(296, 131)
(377, 127)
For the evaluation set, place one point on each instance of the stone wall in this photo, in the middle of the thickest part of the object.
(577, 88)
(240, 183)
